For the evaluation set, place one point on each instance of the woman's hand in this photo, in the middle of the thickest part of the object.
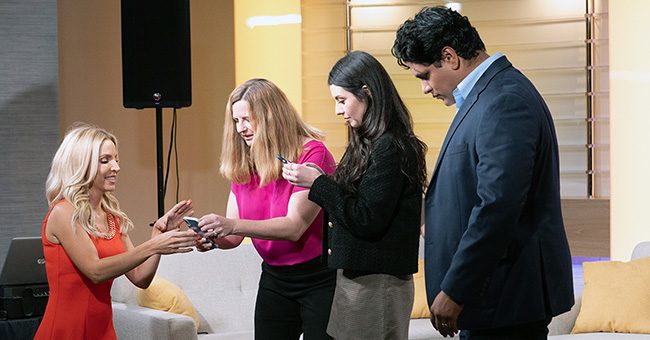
(174, 217)
(216, 226)
(202, 244)
(302, 175)
(174, 241)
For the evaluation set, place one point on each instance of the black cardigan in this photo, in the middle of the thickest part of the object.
(376, 229)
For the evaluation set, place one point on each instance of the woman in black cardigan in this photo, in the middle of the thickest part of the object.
(372, 202)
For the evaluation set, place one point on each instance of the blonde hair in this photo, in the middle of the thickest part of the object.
(73, 171)
(278, 130)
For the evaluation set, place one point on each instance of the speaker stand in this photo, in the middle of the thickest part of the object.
(159, 162)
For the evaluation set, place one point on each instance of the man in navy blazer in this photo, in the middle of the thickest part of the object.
(498, 264)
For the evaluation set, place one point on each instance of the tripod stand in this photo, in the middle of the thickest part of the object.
(159, 163)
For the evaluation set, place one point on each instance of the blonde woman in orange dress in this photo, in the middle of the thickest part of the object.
(86, 241)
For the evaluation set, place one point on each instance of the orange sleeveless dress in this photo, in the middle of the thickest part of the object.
(77, 308)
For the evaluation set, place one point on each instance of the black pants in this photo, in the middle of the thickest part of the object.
(537, 330)
(293, 300)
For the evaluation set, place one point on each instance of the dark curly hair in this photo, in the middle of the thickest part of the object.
(420, 40)
(385, 114)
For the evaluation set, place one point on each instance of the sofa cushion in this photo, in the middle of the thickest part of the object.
(166, 296)
(123, 290)
(616, 297)
(420, 305)
(222, 285)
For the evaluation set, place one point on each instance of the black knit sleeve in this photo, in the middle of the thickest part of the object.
(366, 213)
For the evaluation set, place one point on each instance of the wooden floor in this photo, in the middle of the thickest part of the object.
(587, 226)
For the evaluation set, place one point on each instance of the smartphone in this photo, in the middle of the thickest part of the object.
(193, 223)
(282, 159)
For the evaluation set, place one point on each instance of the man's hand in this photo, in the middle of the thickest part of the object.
(444, 314)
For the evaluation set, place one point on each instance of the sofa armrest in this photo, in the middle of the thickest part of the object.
(133, 322)
(563, 323)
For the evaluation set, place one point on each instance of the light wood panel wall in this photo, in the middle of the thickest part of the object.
(268, 51)
(546, 41)
(587, 225)
(323, 43)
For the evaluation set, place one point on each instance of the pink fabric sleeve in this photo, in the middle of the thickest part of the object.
(315, 152)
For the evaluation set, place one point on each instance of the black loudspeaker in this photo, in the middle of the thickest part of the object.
(156, 53)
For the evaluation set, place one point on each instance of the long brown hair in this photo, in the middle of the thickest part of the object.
(363, 75)
(278, 130)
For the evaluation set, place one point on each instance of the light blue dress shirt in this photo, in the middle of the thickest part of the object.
(463, 89)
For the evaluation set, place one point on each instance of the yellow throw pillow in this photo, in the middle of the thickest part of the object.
(166, 296)
(420, 305)
(616, 297)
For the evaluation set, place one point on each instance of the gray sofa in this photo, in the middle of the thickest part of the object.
(222, 286)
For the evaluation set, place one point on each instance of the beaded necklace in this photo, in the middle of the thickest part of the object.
(112, 230)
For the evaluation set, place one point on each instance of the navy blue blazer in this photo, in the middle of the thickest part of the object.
(495, 240)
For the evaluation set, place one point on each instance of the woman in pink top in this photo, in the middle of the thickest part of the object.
(296, 288)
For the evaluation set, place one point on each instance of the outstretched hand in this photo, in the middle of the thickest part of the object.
(174, 241)
(174, 217)
(302, 175)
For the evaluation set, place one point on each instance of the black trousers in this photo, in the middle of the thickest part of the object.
(293, 300)
(537, 330)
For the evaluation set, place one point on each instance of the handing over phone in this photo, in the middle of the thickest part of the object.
(193, 223)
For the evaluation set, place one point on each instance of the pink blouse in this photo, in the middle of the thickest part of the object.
(271, 200)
